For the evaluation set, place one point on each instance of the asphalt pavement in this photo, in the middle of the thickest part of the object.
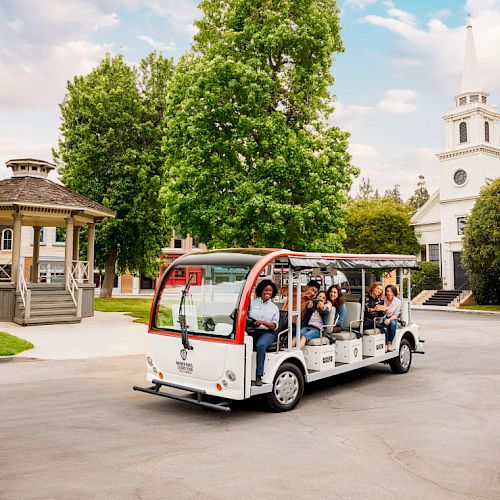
(74, 429)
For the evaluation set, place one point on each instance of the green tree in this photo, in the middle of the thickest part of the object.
(366, 190)
(481, 253)
(251, 158)
(420, 196)
(379, 226)
(110, 151)
(394, 194)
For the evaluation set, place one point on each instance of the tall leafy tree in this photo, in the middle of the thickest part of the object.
(394, 194)
(110, 151)
(366, 190)
(481, 253)
(420, 196)
(250, 155)
(379, 226)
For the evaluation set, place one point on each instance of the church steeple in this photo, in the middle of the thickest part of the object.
(470, 77)
(470, 91)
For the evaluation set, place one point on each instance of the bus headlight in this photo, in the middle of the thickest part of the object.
(231, 375)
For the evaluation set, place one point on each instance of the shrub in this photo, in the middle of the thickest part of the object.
(426, 278)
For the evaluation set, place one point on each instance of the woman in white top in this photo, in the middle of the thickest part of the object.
(392, 313)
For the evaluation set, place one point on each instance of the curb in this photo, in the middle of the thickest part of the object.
(454, 310)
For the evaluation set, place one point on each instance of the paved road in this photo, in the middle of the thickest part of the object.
(72, 429)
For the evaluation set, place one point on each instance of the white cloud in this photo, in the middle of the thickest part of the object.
(402, 15)
(441, 48)
(156, 44)
(359, 4)
(441, 13)
(398, 101)
(384, 171)
(350, 116)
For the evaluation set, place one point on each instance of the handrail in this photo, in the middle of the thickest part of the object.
(4, 275)
(74, 290)
(21, 285)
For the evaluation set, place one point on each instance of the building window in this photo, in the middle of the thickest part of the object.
(423, 253)
(7, 239)
(177, 240)
(460, 177)
(483, 99)
(196, 242)
(461, 221)
(474, 98)
(462, 101)
(463, 132)
(434, 253)
(487, 131)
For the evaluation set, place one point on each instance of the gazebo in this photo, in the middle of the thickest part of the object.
(29, 198)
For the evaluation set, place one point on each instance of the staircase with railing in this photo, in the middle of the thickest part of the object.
(49, 303)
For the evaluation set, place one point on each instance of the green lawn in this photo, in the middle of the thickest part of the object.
(137, 308)
(482, 308)
(11, 345)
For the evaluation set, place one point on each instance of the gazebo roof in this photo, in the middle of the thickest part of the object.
(41, 192)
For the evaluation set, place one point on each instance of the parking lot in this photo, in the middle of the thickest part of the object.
(75, 429)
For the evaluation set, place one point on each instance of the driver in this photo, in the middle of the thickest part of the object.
(266, 316)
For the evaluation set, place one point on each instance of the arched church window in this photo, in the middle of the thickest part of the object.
(463, 132)
(487, 131)
(7, 239)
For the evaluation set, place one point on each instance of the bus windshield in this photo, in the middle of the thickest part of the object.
(210, 304)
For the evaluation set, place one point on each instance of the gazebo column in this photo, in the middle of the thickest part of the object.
(68, 249)
(90, 250)
(16, 247)
(36, 254)
(76, 243)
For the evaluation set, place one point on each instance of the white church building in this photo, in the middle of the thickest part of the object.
(471, 160)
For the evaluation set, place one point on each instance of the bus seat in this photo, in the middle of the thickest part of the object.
(319, 341)
(282, 326)
(352, 297)
(344, 335)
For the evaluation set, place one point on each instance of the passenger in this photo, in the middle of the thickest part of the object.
(336, 299)
(374, 306)
(392, 313)
(266, 316)
(315, 317)
(308, 294)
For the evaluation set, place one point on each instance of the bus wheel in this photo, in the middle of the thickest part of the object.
(288, 387)
(402, 363)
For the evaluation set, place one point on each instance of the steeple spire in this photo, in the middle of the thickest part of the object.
(470, 77)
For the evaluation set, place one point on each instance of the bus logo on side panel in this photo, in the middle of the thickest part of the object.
(183, 354)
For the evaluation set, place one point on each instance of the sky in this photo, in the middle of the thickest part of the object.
(398, 75)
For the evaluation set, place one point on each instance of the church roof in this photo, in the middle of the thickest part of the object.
(37, 191)
(419, 215)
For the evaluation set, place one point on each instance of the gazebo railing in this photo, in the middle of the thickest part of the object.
(5, 271)
(80, 270)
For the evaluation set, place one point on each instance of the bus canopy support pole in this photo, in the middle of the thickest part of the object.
(408, 293)
(401, 285)
(297, 321)
(290, 305)
(362, 299)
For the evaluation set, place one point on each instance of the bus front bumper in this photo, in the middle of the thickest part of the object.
(195, 398)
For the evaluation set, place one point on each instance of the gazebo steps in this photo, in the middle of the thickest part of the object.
(49, 304)
(47, 320)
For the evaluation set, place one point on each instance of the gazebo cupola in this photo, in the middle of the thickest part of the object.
(29, 167)
(29, 198)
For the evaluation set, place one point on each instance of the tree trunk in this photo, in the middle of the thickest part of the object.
(109, 275)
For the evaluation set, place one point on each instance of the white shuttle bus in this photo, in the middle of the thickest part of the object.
(199, 337)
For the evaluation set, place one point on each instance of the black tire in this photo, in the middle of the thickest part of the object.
(288, 388)
(402, 363)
